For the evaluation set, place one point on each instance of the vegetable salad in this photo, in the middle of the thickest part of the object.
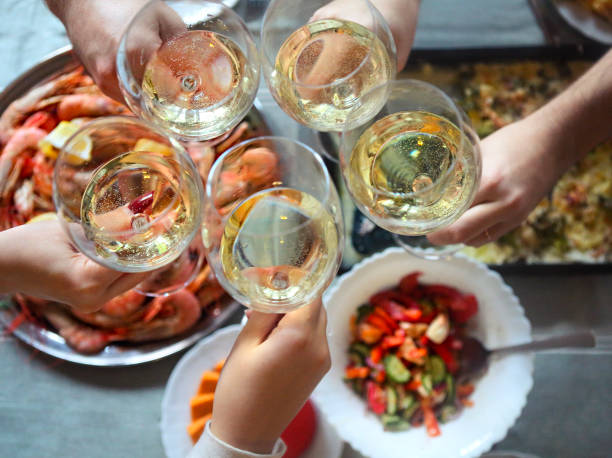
(404, 357)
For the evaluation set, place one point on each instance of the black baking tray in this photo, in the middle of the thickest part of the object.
(379, 239)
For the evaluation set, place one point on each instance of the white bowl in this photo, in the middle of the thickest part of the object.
(500, 394)
(183, 384)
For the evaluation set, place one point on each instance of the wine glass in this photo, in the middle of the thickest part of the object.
(317, 62)
(130, 198)
(415, 167)
(189, 66)
(272, 224)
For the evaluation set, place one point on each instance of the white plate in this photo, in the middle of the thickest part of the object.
(585, 21)
(499, 396)
(183, 384)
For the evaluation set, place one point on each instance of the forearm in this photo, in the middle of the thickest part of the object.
(401, 15)
(579, 118)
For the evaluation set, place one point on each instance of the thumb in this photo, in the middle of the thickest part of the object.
(125, 282)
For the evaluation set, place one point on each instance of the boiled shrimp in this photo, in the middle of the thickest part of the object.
(203, 155)
(87, 105)
(177, 312)
(22, 139)
(206, 287)
(124, 304)
(82, 338)
(17, 111)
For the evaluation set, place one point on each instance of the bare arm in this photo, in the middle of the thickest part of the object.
(523, 161)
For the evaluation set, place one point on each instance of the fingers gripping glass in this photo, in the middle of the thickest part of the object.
(272, 224)
(319, 59)
(415, 167)
(130, 199)
(189, 66)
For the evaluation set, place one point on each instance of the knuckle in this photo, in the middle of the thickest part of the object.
(516, 203)
(298, 341)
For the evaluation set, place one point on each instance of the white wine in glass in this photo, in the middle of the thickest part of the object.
(273, 228)
(319, 71)
(415, 167)
(129, 197)
(137, 211)
(201, 79)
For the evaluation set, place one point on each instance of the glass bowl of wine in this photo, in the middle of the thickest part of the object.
(415, 166)
(318, 60)
(273, 225)
(189, 66)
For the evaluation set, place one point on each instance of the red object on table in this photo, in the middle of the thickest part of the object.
(299, 434)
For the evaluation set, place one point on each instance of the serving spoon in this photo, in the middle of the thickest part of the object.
(475, 357)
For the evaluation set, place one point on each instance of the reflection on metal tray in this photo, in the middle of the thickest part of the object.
(442, 67)
(119, 354)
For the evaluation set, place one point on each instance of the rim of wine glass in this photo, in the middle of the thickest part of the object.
(127, 86)
(272, 138)
(401, 82)
(377, 24)
(58, 200)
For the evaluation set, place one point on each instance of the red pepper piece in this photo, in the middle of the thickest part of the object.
(392, 341)
(389, 295)
(447, 356)
(356, 372)
(377, 401)
(413, 385)
(380, 377)
(463, 308)
(400, 313)
(140, 204)
(380, 323)
(369, 333)
(385, 316)
(409, 283)
(431, 422)
(441, 290)
(376, 354)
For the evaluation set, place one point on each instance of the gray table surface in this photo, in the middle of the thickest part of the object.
(51, 408)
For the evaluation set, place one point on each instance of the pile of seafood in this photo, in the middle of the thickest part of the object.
(32, 129)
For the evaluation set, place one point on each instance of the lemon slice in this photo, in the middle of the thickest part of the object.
(57, 137)
(48, 216)
(80, 150)
(146, 144)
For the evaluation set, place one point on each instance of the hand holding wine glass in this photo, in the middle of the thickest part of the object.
(129, 198)
(400, 15)
(415, 167)
(106, 21)
(38, 259)
(251, 416)
(317, 64)
(517, 174)
(199, 79)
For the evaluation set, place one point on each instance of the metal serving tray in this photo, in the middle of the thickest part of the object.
(120, 354)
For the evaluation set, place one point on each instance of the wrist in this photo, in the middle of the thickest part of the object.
(240, 439)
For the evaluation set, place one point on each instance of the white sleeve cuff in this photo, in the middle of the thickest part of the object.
(209, 446)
